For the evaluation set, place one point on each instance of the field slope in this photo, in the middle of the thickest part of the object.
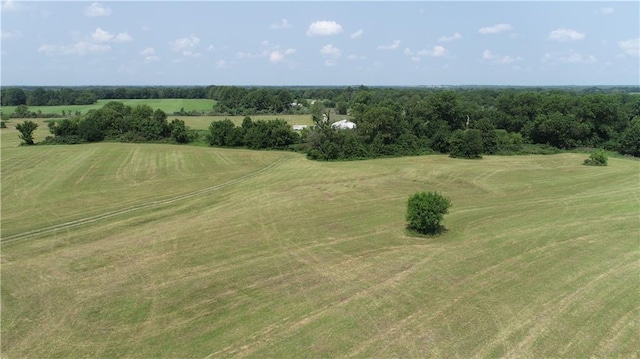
(143, 251)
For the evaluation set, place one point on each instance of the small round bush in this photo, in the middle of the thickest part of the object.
(425, 211)
(597, 158)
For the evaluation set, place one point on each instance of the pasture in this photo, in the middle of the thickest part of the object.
(114, 250)
(168, 105)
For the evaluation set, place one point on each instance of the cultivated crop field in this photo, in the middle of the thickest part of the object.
(168, 105)
(114, 250)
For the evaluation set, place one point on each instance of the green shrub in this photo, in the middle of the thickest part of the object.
(425, 211)
(597, 158)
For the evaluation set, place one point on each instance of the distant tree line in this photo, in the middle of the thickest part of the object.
(464, 122)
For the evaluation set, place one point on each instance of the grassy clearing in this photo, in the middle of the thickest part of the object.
(167, 105)
(277, 256)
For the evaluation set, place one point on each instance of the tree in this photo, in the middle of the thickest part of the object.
(466, 144)
(630, 142)
(425, 211)
(597, 158)
(179, 131)
(26, 129)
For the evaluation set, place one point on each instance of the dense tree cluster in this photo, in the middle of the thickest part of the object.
(118, 122)
(274, 134)
(469, 123)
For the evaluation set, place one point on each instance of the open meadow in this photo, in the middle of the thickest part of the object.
(113, 250)
(168, 105)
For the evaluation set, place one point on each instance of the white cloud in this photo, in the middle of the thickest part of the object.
(104, 36)
(289, 51)
(570, 57)
(498, 59)
(330, 51)
(324, 28)
(149, 55)
(436, 51)
(392, 46)
(79, 48)
(566, 35)
(331, 54)
(407, 51)
(415, 58)
(495, 29)
(221, 64)
(630, 47)
(352, 57)
(10, 34)
(605, 10)
(148, 51)
(10, 5)
(184, 45)
(357, 34)
(122, 37)
(190, 54)
(95, 9)
(284, 24)
(453, 37)
(211, 48)
(276, 56)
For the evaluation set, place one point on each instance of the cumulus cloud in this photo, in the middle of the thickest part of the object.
(324, 28)
(4, 35)
(79, 48)
(211, 48)
(566, 35)
(277, 56)
(184, 44)
(95, 10)
(357, 34)
(104, 36)
(331, 54)
(10, 5)
(149, 54)
(605, 10)
(630, 47)
(393, 46)
(94, 43)
(148, 51)
(497, 59)
(495, 29)
(453, 37)
(221, 64)
(570, 57)
(436, 51)
(284, 24)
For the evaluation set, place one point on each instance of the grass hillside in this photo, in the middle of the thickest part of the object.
(117, 250)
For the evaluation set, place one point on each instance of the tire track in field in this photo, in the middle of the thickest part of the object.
(156, 203)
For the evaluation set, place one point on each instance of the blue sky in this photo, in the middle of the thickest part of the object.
(320, 43)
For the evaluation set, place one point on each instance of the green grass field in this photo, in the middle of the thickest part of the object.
(167, 105)
(163, 251)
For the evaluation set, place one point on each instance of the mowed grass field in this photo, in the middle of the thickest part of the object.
(169, 106)
(163, 251)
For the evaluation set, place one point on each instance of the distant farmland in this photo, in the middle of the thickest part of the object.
(167, 105)
(147, 251)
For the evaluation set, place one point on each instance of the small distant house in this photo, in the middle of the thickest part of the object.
(344, 125)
